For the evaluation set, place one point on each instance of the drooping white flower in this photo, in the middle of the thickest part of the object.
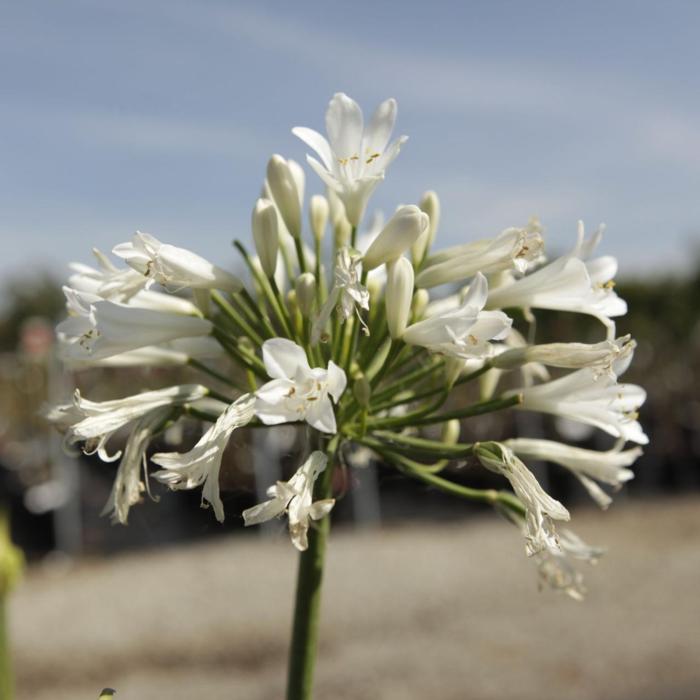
(465, 331)
(295, 497)
(128, 486)
(540, 508)
(94, 422)
(354, 158)
(566, 284)
(172, 266)
(588, 397)
(97, 328)
(513, 249)
(297, 392)
(201, 465)
(600, 357)
(397, 236)
(347, 292)
(588, 466)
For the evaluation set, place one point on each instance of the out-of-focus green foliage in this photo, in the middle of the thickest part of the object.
(37, 294)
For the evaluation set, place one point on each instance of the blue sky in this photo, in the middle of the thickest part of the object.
(160, 116)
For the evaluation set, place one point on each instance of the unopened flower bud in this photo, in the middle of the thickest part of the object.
(305, 288)
(291, 301)
(285, 191)
(450, 432)
(318, 215)
(421, 298)
(399, 234)
(399, 293)
(336, 207)
(342, 232)
(362, 390)
(266, 235)
(430, 204)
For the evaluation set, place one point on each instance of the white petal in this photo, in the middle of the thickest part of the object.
(336, 382)
(344, 125)
(283, 358)
(381, 126)
(314, 140)
(320, 415)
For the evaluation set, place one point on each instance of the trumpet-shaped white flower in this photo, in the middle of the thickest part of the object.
(397, 236)
(297, 392)
(172, 266)
(98, 328)
(513, 249)
(201, 465)
(567, 284)
(175, 353)
(587, 397)
(588, 466)
(347, 293)
(295, 497)
(354, 158)
(94, 422)
(540, 508)
(600, 357)
(465, 331)
(128, 486)
(556, 570)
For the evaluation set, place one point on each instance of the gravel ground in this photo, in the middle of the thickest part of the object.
(449, 612)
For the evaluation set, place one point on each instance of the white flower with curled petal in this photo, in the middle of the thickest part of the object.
(201, 465)
(297, 392)
(354, 158)
(347, 294)
(172, 266)
(128, 486)
(588, 466)
(588, 397)
(567, 284)
(540, 508)
(94, 422)
(295, 497)
(513, 249)
(465, 331)
(107, 280)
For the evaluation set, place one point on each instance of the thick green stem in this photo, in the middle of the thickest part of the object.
(5, 665)
(302, 653)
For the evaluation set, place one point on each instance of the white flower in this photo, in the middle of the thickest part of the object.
(354, 161)
(567, 284)
(107, 281)
(555, 569)
(296, 391)
(98, 328)
(399, 234)
(94, 422)
(594, 399)
(347, 292)
(513, 249)
(587, 465)
(295, 497)
(128, 487)
(463, 332)
(201, 465)
(172, 266)
(540, 507)
(600, 357)
(175, 353)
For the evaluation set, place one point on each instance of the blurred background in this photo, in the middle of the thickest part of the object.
(161, 116)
